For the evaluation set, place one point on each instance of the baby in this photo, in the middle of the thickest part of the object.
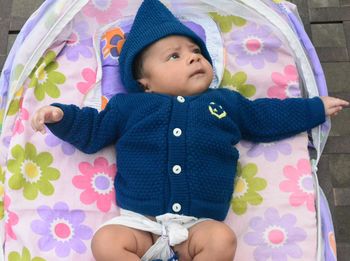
(175, 139)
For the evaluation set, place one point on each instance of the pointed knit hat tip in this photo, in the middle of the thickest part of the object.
(153, 21)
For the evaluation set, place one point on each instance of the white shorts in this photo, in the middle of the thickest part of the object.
(172, 229)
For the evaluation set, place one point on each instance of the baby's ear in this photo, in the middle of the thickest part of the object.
(143, 82)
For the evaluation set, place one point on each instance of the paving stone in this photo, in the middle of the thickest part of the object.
(341, 196)
(11, 40)
(21, 8)
(325, 180)
(328, 35)
(337, 76)
(339, 126)
(343, 251)
(5, 10)
(4, 26)
(330, 14)
(342, 224)
(17, 23)
(338, 167)
(346, 26)
(333, 54)
(2, 61)
(345, 2)
(323, 3)
(337, 145)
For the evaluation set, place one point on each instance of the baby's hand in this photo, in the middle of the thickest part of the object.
(333, 105)
(46, 114)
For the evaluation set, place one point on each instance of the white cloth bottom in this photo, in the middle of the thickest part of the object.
(172, 229)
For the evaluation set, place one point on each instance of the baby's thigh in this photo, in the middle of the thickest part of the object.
(208, 236)
(114, 239)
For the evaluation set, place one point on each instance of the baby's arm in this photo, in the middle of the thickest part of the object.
(333, 105)
(46, 114)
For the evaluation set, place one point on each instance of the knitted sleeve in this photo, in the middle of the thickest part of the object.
(267, 120)
(86, 128)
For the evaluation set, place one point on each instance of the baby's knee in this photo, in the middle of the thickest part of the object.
(222, 239)
(104, 243)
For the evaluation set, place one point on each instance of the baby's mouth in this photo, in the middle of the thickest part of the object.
(197, 72)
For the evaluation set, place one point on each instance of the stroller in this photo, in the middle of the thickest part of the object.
(53, 196)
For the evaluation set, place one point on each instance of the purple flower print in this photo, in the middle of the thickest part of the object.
(61, 229)
(275, 237)
(52, 141)
(269, 150)
(254, 45)
(79, 43)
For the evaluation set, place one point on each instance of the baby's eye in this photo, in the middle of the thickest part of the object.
(197, 50)
(174, 56)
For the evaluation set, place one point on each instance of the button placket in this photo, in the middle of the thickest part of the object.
(177, 132)
(176, 207)
(177, 169)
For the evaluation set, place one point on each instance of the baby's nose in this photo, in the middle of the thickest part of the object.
(194, 58)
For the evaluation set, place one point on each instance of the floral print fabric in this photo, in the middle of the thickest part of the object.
(53, 197)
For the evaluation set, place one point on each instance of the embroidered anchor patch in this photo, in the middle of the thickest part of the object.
(217, 110)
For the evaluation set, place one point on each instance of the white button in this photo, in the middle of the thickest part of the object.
(177, 132)
(176, 207)
(180, 99)
(177, 169)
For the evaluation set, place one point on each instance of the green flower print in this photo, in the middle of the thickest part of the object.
(31, 171)
(237, 82)
(226, 22)
(2, 193)
(246, 187)
(45, 78)
(15, 256)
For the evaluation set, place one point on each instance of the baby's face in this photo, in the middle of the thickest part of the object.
(174, 65)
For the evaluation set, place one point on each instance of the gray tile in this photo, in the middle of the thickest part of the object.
(341, 196)
(337, 76)
(323, 3)
(5, 10)
(346, 26)
(343, 251)
(2, 61)
(338, 167)
(24, 8)
(11, 40)
(339, 126)
(330, 14)
(333, 54)
(342, 224)
(337, 144)
(4, 28)
(328, 35)
(345, 2)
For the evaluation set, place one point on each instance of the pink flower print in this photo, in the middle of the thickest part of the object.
(271, 151)
(61, 229)
(255, 45)
(89, 76)
(18, 126)
(11, 219)
(286, 84)
(79, 43)
(97, 182)
(275, 236)
(300, 184)
(105, 10)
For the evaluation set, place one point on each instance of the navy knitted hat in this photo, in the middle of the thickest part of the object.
(153, 22)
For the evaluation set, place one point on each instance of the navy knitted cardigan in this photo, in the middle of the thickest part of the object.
(177, 154)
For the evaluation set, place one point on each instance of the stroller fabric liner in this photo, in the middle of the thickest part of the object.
(53, 196)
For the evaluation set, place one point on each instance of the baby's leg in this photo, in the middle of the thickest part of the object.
(117, 242)
(208, 240)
